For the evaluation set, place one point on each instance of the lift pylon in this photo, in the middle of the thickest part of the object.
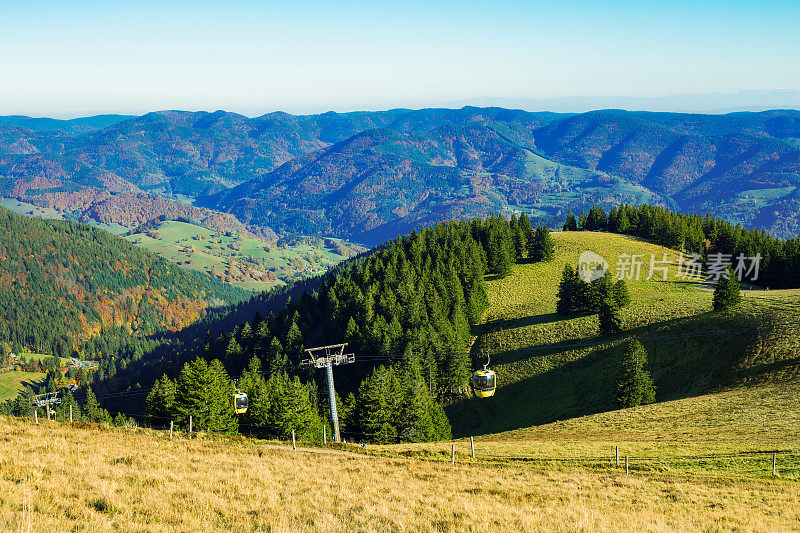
(326, 357)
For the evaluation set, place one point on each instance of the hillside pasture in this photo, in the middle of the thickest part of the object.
(242, 261)
(13, 381)
(550, 367)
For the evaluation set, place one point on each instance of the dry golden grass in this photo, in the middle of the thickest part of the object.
(731, 433)
(55, 478)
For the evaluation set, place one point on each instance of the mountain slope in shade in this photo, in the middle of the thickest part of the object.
(690, 162)
(381, 183)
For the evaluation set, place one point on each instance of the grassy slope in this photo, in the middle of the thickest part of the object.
(213, 252)
(140, 480)
(551, 368)
(730, 434)
(12, 382)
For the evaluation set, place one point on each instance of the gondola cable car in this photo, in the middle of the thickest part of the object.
(240, 402)
(484, 381)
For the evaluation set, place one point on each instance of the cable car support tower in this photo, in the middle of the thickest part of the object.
(325, 357)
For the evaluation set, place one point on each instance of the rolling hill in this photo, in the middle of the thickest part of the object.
(726, 405)
(381, 183)
(241, 260)
(63, 281)
(552, 367)
(744, 166)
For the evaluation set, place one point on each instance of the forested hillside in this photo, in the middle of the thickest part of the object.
(412, 300)
(62, 282)
(410, 310)
(376, 175)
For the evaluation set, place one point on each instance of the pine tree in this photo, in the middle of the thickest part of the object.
(567, 291)
(204, 392)
(253, 384)
(294, 341)
(160, 403)
(456, 373)
(541, 247)
(221, 416)
(63, 409)
(275, 358)
(500, 248)
(727, 293)
(596, 220)
(234, 354)
(92, 409)
(526, 230)
(610, 319)
(570, 224)
(303, 417)
(379, 398)
(582, 221)
(621, 295)
(635, 386)
(623, 224)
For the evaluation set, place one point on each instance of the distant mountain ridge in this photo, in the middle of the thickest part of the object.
(713, 102)
(73, 126)
(373, 175)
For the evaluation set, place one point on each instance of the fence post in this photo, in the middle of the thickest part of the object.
(294, 444)
(616, 454)
(472, 446)
(453, 453)
(626, 465)
(324, 434)
(774, 465)
(190, 425)
(171, 424)
(70, 414)
(36, 415)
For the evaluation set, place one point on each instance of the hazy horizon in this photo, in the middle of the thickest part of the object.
(67, 59)
(745, 101)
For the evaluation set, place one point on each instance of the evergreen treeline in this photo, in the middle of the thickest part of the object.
(415, 296)
(704, 235)
(578, 296)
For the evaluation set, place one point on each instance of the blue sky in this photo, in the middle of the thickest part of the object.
(69, 58)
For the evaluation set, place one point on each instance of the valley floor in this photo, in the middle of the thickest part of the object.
(55, 478)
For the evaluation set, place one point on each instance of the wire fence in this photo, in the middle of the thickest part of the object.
(777, 462)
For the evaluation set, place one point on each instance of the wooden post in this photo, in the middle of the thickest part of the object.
(616, 454)
(453, 453)
(626, 465)
(190, 425)
(36, 415)
(48, 409)
(171, 424)
(472, 446)
(294, 444)
(774, 465)
(70, 414)
(324, 434)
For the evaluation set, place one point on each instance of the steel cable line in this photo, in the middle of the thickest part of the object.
(395, 357)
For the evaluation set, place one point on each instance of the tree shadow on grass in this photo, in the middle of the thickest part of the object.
(513, 323)
(688, 357)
